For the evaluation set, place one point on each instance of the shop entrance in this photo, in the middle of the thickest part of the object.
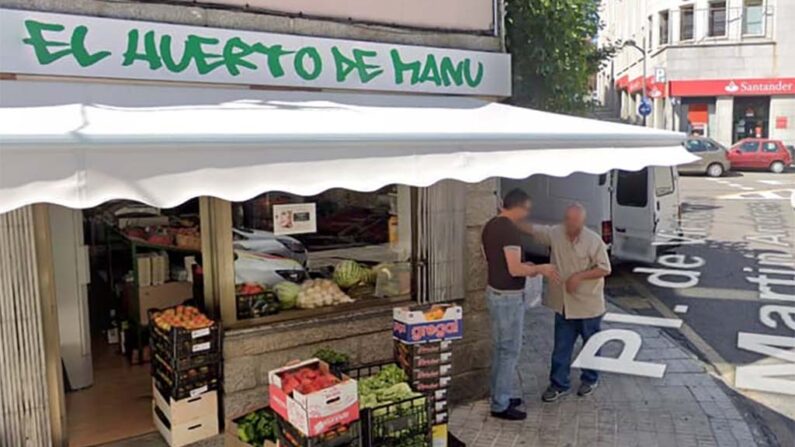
(751, 117)
(112, 264)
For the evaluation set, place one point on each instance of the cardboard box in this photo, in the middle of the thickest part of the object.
(417, 325)
(230, 434)
(314, 413)
(178, 435)
(160, 297)
(186, 410)
(409, 358)
(429, 385)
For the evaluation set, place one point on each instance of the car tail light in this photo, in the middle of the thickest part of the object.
(607, 231)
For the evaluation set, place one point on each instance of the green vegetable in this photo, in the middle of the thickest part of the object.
(332, 357)
(287, 292)
(257, 427)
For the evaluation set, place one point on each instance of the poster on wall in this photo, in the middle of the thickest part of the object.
(294, 218)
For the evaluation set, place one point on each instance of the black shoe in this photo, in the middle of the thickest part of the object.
(586, 388)
(516, 402)
(552, 394)
(511, 414)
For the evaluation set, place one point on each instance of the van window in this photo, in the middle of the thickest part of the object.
(632, 188)
(663, 181)
(602, 179)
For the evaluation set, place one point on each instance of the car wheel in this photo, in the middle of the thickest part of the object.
(715, 170)
(777, 167)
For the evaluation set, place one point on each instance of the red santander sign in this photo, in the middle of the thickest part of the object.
(734, 87)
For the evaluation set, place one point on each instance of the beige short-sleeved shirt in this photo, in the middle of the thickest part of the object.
(588, 251)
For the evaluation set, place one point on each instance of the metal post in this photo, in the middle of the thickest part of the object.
(643, 88)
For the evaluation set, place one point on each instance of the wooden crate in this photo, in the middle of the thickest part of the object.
(186, 410)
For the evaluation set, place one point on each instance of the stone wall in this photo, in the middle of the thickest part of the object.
(366, 336)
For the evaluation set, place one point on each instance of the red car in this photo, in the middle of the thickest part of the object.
(760, 153)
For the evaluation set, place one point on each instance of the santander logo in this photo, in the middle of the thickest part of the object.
(731, 87)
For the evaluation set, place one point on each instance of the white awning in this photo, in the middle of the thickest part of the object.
(81, 144)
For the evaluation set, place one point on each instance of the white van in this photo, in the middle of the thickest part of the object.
(636, 212)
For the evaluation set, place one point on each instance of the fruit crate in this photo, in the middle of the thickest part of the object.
(180, 343)
(405, 423)
(342, 436)
(187, 383)
(164, 357)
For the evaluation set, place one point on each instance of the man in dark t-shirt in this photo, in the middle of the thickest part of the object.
(502, 246)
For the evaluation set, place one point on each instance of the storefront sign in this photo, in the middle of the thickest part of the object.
(294, 218)
(654, 89)
(734, 87)
(68, 45)
(782, 122)
(623, 82)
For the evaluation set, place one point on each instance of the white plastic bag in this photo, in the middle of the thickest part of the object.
(533, 289)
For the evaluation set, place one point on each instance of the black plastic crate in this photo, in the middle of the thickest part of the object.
(341, 436)
(405, 423)
(194, 361)
(186, 383)
(180, 343)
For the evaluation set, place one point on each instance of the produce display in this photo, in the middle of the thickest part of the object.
(186, 317)
(321, 292)
(307, 380)
(254, 300)
(257, 427)
(346, 435)
(388, 385)
(338, 361)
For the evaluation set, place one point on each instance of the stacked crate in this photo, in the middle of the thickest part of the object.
(423, 348)
(187, 371)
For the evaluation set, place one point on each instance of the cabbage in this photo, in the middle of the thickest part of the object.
(287, 292)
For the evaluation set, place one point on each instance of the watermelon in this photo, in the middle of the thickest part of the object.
(348, 273)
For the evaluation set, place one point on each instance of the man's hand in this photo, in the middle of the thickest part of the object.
(550, 272)
(573, 283)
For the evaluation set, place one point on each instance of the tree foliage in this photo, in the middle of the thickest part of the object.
(554, 52)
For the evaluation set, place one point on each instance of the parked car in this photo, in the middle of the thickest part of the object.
(760, 153)
(714, 160)
(265, 242)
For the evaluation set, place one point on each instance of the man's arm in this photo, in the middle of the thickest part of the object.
(540, 233)
(601, 268)
(513, 258)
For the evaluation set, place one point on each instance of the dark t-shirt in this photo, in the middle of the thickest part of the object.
(499, 233)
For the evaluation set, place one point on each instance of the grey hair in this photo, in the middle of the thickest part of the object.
(576, 206)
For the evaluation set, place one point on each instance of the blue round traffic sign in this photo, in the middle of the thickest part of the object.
(644, 108)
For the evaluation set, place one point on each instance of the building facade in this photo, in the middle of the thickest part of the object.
(720, 68)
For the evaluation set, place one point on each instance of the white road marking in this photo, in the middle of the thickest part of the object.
(645, 321)
(770, 194)
(771, 182)
(681, 308)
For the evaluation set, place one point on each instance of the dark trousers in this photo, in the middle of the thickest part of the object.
(566, 333)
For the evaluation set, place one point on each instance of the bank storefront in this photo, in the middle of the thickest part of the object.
(270, 197)
(732, 109)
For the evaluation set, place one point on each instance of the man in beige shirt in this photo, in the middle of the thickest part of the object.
(581, 258)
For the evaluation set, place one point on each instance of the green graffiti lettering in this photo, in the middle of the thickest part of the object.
(274, 53)
(202, 59)
(401, 67)
(76, 47)
(472, 82)
(452, 74)
(430, 73)
(150, 50)
(300, 63)
(168, 57)
(235, 52)
(345, 66)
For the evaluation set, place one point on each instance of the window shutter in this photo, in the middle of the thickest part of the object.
(441, 242)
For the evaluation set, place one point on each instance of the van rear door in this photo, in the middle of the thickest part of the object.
(633, 216)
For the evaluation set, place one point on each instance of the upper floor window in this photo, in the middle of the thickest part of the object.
(665, 30)
(753, 17)
(686, 22)
(717, 19)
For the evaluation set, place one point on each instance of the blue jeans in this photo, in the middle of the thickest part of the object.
(566, 333)
(507, 322)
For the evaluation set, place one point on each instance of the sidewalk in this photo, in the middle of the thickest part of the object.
(686, 408)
